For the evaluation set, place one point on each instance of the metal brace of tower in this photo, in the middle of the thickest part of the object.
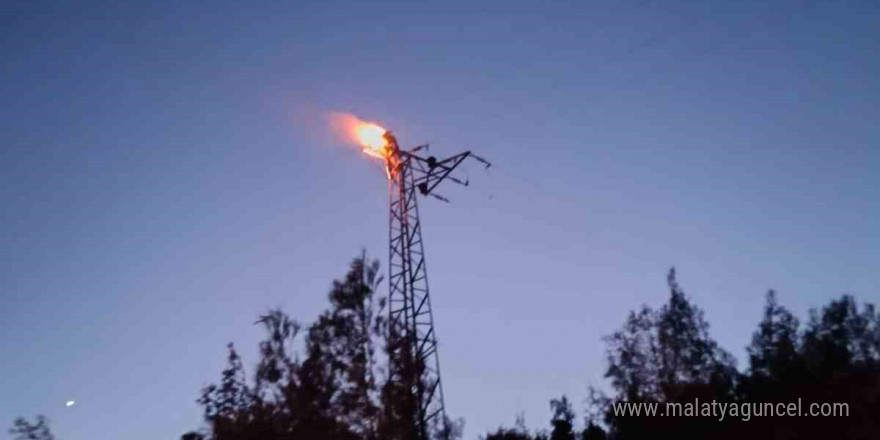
(413, 359)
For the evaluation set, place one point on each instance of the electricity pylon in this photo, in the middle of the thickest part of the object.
(412, 341)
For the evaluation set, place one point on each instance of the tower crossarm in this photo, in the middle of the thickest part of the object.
(429, 172)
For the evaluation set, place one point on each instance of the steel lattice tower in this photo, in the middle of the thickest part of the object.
(412, 342)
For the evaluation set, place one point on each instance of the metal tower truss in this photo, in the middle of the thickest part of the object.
(413, 359)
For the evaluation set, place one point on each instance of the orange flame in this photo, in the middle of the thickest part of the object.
(369, 136)
(371, 139)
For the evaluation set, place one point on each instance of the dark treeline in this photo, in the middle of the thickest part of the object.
(668, 356)
(328, 381)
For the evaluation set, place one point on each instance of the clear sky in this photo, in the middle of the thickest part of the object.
(167, 174)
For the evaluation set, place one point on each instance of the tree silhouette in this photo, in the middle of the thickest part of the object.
(594, 432)
(25, 430)
(338, 389)
(518, 432)
(332, 392)
(508, 434)
(773, 353)
(666, 356)
(336, 386)
(842, 337)
(563, 419)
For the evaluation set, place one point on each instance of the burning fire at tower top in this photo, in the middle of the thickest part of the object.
(373, 139)
(379, 142)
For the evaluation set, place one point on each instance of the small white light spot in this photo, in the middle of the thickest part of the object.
(70, 403)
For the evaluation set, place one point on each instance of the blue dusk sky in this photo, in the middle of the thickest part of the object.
(168, 173)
